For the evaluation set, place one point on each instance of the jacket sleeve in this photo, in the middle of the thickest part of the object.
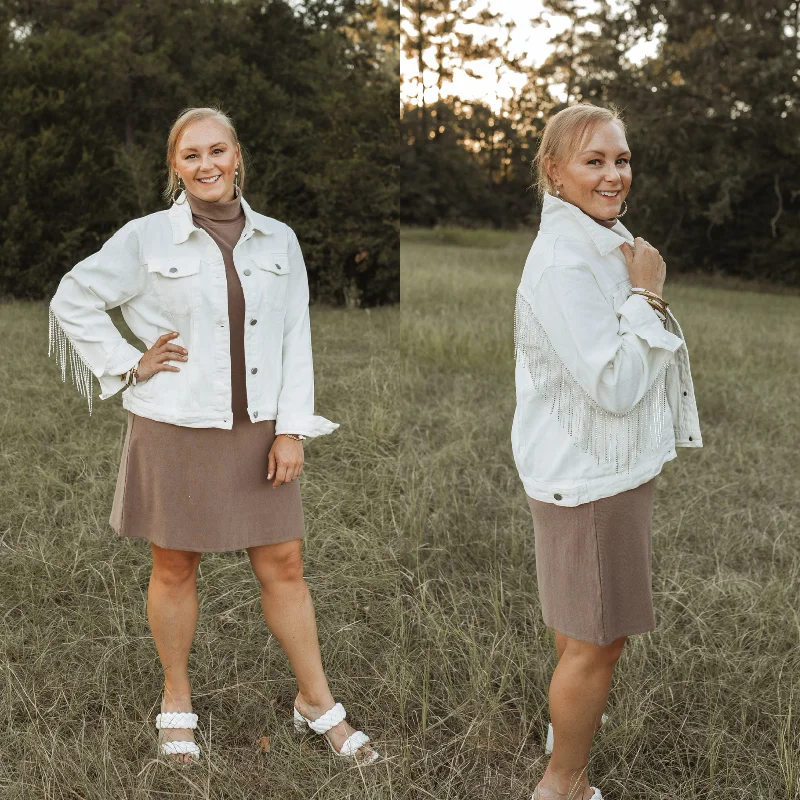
(296, 398)
(613, 356)
(81, 331)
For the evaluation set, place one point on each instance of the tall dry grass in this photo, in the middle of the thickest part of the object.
(706, 706)
(420, 561)
(79, 676)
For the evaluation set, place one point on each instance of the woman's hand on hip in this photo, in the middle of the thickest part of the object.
(154, 360)
(646, 268)
(286, 459)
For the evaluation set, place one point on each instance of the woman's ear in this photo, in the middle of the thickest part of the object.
(551, 168)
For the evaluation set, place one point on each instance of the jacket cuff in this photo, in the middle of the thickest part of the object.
(309, 426)
(123, 358)
(646, 324)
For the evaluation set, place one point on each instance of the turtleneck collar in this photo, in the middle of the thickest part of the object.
(218, 211)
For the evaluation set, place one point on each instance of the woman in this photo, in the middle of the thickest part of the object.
(218, 407)
(604, 395)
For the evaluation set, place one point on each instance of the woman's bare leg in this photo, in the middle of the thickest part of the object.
(172, 613)
(578, 695)
(289, 613)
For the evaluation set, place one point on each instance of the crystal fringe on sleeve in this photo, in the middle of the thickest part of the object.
(618, 439)
(66, 352)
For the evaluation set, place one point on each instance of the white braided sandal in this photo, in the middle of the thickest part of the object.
(548, 745)
(331, 719)
(178, 719)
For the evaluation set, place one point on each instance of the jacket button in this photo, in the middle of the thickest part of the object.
(247, 272)
(173, 269)
(253, 321)
(685, 393)
(277, 266)
(690, 439)
(254, 370)
(255, 415)
(557, 496)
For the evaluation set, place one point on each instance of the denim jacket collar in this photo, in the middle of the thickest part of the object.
(180, 217)
(566, 219)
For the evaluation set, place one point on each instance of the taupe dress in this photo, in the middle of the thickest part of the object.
(593, 565)
(206, 489)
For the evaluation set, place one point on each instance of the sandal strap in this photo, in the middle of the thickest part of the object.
(176, 719)
(180, 748)
(354, 743)
(328, 720)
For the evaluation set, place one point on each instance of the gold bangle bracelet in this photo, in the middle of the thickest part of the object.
(648, 293)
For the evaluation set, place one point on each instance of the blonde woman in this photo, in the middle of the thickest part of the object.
(218, 407)
(604, 396)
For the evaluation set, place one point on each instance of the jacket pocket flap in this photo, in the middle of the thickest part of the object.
(278, 263)
(174, 267)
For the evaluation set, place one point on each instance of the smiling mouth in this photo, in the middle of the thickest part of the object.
(610, 195)
(212, 179)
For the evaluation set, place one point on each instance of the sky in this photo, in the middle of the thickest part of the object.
(527, 38)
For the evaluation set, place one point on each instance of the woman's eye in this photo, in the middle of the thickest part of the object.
(624, 160)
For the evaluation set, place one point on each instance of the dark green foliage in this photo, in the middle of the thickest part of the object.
(89, 89)
(713, 122)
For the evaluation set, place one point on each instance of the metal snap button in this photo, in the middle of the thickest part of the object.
(247, 272)
(173, 269)
(253, 321)
(255, 415)
(277, 266)
(685, 393)
(254, 370)
(557, 496)
(690, 439)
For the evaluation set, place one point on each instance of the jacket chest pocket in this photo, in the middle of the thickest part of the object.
(177, 281)
(273, 269)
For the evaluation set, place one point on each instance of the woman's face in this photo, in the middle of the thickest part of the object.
(598, 177)
(206, 159)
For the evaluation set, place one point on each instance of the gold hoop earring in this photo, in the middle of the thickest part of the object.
(178, 191)
(624, 211)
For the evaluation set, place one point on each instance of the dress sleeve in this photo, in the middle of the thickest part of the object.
(573, 334)
(82, 333)
(296, 398)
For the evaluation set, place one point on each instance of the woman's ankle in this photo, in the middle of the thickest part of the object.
(178, 692)
(565, 782)
(320, 702)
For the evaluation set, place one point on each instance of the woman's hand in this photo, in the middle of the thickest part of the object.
(286, 459)
(646, 268)
(162, 351)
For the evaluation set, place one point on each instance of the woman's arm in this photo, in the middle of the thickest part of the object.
(296, 398)
(613, 356)
(81, 331)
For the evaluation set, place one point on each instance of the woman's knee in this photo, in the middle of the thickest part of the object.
(279, 563)
(596, 654)
(174, 568)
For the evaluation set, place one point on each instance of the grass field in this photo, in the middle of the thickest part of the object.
(420, 561)
(79, 676)
(706, 706)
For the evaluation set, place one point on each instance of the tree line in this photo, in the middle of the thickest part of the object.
(90, 89)
(712, 121)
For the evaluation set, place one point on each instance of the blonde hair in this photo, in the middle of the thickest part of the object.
(185, 118)
(564, 133)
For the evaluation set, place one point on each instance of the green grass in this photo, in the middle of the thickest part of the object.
(79, 676)
(420, 562)
(706, 706)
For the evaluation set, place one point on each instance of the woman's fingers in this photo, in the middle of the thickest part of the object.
(280, 476)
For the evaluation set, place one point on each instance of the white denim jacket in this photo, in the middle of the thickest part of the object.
(166, 275)
(604, 389)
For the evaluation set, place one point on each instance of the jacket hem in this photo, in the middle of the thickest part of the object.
(597, 488)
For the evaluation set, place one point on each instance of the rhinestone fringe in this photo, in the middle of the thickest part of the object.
(65, 352)
(618, 439)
